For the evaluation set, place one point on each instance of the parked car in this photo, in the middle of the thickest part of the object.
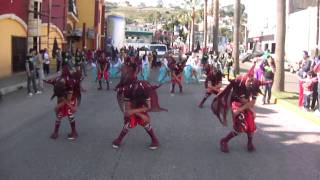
(246, 57)
(293, 67)
(161, 50)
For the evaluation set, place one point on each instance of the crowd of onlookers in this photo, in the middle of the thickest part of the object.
(309, 73)
(37, 66)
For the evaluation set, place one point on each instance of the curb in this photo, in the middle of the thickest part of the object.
(295, 109)
(13, 88)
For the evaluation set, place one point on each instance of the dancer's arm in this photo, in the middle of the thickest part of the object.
(247, 105)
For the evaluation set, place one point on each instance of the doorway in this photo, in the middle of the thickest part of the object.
(19, 52)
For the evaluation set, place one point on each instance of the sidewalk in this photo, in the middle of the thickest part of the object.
(288, 103)
(17, 81)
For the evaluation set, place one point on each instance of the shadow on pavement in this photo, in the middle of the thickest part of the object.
(260, 110)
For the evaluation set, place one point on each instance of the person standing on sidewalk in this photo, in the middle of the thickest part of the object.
(229, 65)
(316, 69)
(38, 59)
(305, 66)
(46, 62)
(307, 85)
(268, 69)
(315, 102)
(31, 73)
(59, 59)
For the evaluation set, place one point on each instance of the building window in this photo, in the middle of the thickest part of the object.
(40, 10)
(35, 43)
(266, 46)
(273, 48)
(35, 10)
(251, 45)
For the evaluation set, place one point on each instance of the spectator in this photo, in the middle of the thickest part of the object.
(83, 63)
(218, 65)
(229, 64)
(59, 59)
(38, 59)
(305, 65)
(205, 58)
(154, 59)
(150, 58)
(77, 58)
(46, 62)
(31, 73)
(307, 85)
(89, 56)
(314, 100)
(268, 69)
(316, 69)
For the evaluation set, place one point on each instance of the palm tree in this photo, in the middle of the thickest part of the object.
(192, 27)
(215, 29)
(205, 23)
(192, 4)
(185, 18)
(236, 36)
(280, 45)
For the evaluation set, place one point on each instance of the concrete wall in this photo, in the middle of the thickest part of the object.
(86, 11)
(13, 28)
(91, 15)
(301, 33)
(59, 10)
(19, 8)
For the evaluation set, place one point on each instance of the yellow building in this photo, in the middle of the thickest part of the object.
(91, 18)
(25, 28)
(13, 35)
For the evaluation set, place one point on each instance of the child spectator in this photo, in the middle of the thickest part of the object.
(307, 85)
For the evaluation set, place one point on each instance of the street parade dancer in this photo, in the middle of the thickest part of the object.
(176, 74)
(190, 72)
(103, 70)
(136, 98)
(145, 69)
(164, 73)
(66, 89)
(239, 96)
(115, 67)
(212, 84)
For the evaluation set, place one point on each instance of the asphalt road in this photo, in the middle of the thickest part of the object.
(287, 146)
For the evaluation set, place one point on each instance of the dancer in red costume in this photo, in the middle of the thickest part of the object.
(213, 83)
(103, 70)
(136, 98)
(67, 92)
(239, 96)
(176, 74)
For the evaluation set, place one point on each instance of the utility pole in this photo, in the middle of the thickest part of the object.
(49, 22)
(215, 27)
(193, 19)
(236, 36)
(317, 36)
(172, 35)
(205, 23)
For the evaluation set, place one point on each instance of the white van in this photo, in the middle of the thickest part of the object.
(161, 50)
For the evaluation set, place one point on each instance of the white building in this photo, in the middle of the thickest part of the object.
(301, 27)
